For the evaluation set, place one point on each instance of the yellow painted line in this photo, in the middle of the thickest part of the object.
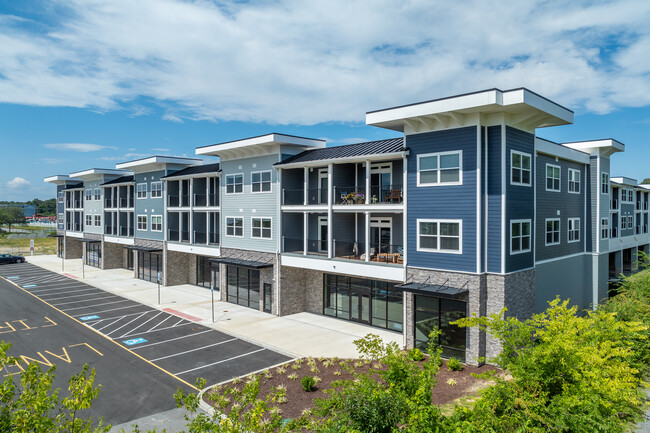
(99, 333)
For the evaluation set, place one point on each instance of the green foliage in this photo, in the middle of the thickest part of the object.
(416, 354)
(373, 348)
(570, 373)
(10, 216)
(454, 364)
(29, 404)
(308, 383)
(646, 181)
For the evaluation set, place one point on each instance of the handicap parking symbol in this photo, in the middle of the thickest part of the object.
(134, 341)
(90, 317)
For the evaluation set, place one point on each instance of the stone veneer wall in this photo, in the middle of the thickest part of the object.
(302, 290)
(73, 248)
(176, 265)
(112, 255)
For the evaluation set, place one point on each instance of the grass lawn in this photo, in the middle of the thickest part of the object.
(21, 246)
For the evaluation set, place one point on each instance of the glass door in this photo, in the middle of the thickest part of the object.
(380, 182)
(323, 185)
(380, 236)
(322, 235)
(359, 300)
(268, 297)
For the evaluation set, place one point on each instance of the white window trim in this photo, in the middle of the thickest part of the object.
(568, 230)
(225, 184)
(530, 170)
(137, 193)
(261, 218)
(605, 228)
(559, 232)
(97, 220)
(530, 236)
(161, 189)
(225, 232)
(546, 177)
(161, 223)
(146, 223)
(606, 183)
(88, 194)
(439, 250)
(438, 154)
(270, 182)
(573, 170)
(89, 217)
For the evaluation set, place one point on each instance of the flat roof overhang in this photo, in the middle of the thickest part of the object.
(262, 144)
(155, 163)
(143, 249)
(604, 147)
(241, 263)
(61, 179)
(439, 291)
(90, 241)
(99, 173)
(527, 109)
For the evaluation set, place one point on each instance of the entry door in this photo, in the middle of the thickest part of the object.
(380, 181)
(268, 297)
(360, 307)
(322, 234)
(380, 235)
(323, 185)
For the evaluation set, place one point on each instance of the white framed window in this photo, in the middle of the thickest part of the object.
(261, 181)
(89, 220)
(604, 183)
(630, 222)
(604, 228)
(261, 228)
(443, 168)
(141, 190)
(623, 223)
(156, 190)
(156, 223)
(519, 236)
(625, 197)
(235, 227)
(630, 196)
(573, 227)
(574, 181)
(60, 218)
(89, 194)
(553, 177)
(61, 195)
(444, 236)
(235, 183)
(98, 194)
(98, 220)
(142, 222)
(552, 231)
(519, 168)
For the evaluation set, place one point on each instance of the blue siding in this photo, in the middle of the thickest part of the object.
(443, 202)
(149, 206)
(520, 200)
(494, 155)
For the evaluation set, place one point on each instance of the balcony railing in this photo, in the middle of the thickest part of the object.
(178, 201)
(315, 196)
(297, 246)
(615, 203)
(126, 231)
(614, 232)
(178, 236)
(379, 252)
(384, 194)
(638, 230)
(645, 228)
(645, 205)
(206, 238)
(78, 227)
(110, 230)
(206, 200)
(110, 203)
(126, 202)
(638, 205)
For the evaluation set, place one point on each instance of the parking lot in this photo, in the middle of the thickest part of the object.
(168, 341)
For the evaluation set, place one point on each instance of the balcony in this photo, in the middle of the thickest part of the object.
(126, 202)
(110, 203)
(178, 236)
(614, 232)
(202, 200)
(178, 201)
(315, 247)
(110, 230)
(379, 194)
(206, 238)
(615, 203)
(645, 205)
(345, 250)
(78, 204)
(126, 231)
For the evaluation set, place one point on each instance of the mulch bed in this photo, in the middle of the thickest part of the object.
(299, 400)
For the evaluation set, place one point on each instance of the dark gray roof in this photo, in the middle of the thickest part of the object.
(436, 290)
(379, 147)
(241, 262)
(79, 185)
(194, 170)
(122, 179)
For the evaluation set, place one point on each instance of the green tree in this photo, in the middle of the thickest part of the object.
(29, 404)
(11, 215)
(646, 181)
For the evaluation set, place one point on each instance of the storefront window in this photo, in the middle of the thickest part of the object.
(437, 313)
(243, 286)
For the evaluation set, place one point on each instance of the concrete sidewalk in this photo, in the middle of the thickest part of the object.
(297, 335)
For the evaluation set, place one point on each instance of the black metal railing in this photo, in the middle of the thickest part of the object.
(293, 196)
(173, 235)
(173, 201)
(614, 232)
(200, 199)
(110, 230)
(213, 238)
(297, 246)
(349, 195)
(378, 252)
(185, 236)
(110, 203)
(126, 202)
(379, 194)
(615, 204)
(200, 237)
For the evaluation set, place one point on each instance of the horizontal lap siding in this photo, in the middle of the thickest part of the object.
(494, 199)
(443, 202)
(520, 200)
(627, 209)
(149, 206)
(93, 207)
(604, 203)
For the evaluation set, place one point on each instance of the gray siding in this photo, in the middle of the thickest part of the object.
(149, 206)
(94, 207)
(569, 278)
(604, 204)
(562, 205)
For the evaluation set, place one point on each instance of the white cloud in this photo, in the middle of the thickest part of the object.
(125, 157)
(172, 118)
(18, 183)
(161, 149)
(292, 61)
(78, 147)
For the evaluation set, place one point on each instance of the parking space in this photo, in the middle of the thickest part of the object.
(170, 339)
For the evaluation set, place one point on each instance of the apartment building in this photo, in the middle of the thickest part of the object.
(468, 212)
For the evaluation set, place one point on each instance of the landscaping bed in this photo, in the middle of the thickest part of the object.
(451, 385)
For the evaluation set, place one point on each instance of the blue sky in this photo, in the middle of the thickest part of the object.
(86, 83)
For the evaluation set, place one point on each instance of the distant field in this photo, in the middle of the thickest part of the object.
(21, 246)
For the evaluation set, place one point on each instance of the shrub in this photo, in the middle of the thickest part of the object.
(308, 383)
(416, 354)
(454, 364)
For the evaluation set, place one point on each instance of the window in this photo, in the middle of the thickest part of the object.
(261, 181)
(573, 226)
(440, 236)
(98, 220)
(141, 190)
(156, 190)
(235, 227)
(519, 236)
(440, 169)
(89, 220)
(156, 222)
(98, 194)
(630, 196)
(630, 222)
(604, 228)
(89, 194)
(520, 168)
(261, 228)
(553, 231)
(574, 181)
(624, 223)
(61, 194)
(552, 177)
(60, 218)
(142, 222)
(627, 195)
(235, 183)
(604, 183)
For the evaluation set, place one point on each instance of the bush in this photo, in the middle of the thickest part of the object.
(416, 354)
(454, 364)
(308, 383)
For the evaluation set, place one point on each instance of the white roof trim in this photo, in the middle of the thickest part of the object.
(262, 140)
(555, 149)
(624, 180)
(60, 179)
(605, 146)
(100, 172)
(159, 160)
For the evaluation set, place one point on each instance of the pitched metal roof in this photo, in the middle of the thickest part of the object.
(379, 147)
(122, 179)
(192, 171)
(79, 185)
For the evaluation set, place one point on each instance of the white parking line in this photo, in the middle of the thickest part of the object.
(94, 321)
(163, 329)
(72, 296)
(167, 318)
(219, 362)
(172, 339)
(192, 350)
(141, 325)
(105, 311)
(130, 321)
(60, 289)
(113, 322)
(85, 300)
(96, 305)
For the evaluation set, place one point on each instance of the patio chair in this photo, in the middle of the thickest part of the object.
(393, 194)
